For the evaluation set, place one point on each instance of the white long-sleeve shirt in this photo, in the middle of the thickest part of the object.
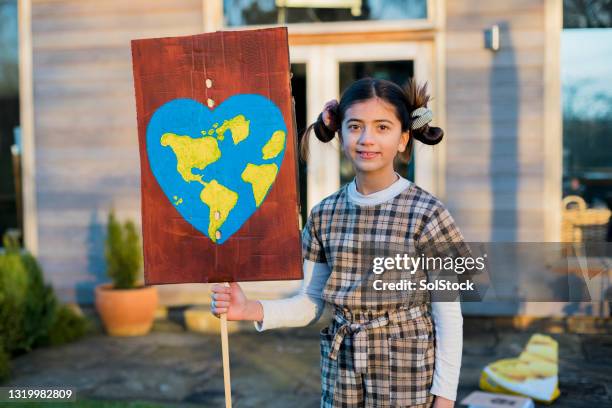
(307, 305)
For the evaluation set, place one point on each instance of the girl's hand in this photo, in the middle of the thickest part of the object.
(441, 402)
(232, 301)
(329, 114)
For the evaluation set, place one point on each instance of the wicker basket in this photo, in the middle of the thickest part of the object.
(582, 224)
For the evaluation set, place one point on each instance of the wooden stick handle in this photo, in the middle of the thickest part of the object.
(226, 366)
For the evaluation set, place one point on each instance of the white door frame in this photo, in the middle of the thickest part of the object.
(322, 82)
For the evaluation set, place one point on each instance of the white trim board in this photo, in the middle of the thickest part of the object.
(26, 112)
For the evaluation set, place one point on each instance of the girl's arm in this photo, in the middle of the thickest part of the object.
(448, 322)
(442, 234)
(302, 309)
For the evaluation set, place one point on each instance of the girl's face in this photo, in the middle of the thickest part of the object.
(372, 136)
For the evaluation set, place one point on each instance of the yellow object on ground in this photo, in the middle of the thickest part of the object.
(533, 374)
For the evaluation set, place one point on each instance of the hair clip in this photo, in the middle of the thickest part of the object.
(422, 116)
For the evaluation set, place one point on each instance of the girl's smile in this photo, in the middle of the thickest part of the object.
(367, 155)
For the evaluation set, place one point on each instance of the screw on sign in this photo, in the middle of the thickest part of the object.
(218, 165)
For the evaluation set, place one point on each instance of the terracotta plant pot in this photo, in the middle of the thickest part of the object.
(126, 312)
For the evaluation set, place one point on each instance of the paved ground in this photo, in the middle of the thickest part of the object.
(275, 369)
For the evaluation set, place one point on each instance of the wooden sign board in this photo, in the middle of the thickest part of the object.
(216, 132)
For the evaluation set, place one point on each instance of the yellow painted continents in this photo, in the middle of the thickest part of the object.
(197, 153)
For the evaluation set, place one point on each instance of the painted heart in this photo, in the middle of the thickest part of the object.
(217, 166)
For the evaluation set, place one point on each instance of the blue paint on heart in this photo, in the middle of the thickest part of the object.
(189, 117)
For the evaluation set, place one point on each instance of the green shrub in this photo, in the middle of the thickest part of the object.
(27, 305)
(41, 306)
(13, 289)
(122, 252)
(30, 314)
(66, 327)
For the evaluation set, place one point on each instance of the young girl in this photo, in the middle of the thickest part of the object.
(377, 351)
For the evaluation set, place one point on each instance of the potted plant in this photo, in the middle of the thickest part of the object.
(126, 306)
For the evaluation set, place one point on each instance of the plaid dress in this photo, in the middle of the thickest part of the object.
(378, 350)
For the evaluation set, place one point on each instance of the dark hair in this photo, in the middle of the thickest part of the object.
(405, 101)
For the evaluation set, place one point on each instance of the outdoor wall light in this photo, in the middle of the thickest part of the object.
(491, 38)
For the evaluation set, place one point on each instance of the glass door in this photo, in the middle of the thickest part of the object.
(328, 70)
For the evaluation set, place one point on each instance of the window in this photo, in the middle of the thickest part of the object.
(586, 63)
(260, 12)
(10, 180)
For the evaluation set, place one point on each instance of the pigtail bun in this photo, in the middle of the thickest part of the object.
(323, 132)
(420, 116)
(429, 135)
